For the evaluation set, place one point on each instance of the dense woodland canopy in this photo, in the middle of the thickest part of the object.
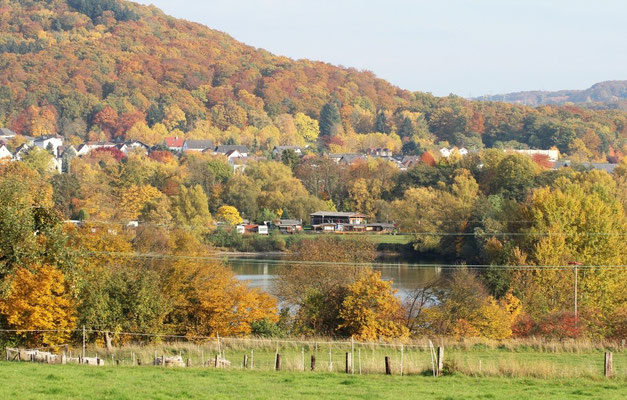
(103, 69)
(90, 69)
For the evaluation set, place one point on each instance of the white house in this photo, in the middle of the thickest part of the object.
(445, 152)
(87, 147)
(277, 152)
(226, 148)
(46, 142)
(5, 153)
(553, 155)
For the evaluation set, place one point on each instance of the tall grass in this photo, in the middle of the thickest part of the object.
(473, 357)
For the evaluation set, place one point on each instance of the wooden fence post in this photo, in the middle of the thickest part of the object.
(347, 367)
(440, 365)
(189, 363)
(245, 361)
(608, 364)
(277, 364)
(7, 350)
(313, 362)
(217, 360)
(388, 368)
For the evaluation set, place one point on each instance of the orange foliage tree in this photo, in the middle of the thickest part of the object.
(38, 300)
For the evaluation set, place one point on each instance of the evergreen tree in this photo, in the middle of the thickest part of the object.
(380, 123)
(406, 129)
(329, 119)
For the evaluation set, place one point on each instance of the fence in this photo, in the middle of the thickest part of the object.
(472, 357)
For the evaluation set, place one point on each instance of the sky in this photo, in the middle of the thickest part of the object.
(467, 47)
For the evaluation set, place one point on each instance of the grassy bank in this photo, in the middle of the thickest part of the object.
(38, 381)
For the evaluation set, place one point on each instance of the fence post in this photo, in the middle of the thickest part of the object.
(352, 355)
(189, 363)
(252, 358)
(347, 367)
(163, 360)
(133, 358)
(313, 362)
(440, 365)
(217, 360)
(303, 357)
(359, 355)
(83, 341)
(7, 350)
(608, 364)
(277, 365)
(402, 353)
(245, 361)
(388, 368)
(202, 357)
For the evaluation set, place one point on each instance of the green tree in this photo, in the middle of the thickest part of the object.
(330, 119)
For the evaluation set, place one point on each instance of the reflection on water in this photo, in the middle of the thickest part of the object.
(406, 277)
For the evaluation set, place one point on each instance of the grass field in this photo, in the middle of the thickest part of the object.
(40, 381)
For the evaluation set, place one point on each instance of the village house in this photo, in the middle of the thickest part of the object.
(331, 221)
(607, 167)
(132, 146)
(290, 226)
(49, 143)
(88, 147)
(5, 153)
(174, 143)
(226, 148)
(380, 152)
(6, 134)
(21, 151)
(277, 152)
(552, 155)
(197, 145)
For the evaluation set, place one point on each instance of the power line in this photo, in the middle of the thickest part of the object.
(342, 264)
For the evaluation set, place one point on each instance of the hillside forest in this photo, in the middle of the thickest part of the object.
(103, 69)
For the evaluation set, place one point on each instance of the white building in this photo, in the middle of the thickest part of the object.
(553, 155)
(5, 153)
(46, 142)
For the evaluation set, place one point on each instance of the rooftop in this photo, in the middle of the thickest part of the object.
(337, 214)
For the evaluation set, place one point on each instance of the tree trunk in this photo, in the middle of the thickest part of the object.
(108, 341)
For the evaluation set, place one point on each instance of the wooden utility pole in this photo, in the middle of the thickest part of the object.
(388, 367)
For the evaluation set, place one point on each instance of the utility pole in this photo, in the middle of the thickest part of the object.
(575, 265)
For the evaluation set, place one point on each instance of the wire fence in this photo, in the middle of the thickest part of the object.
(473, 357)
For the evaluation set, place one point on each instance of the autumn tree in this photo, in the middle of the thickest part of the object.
(229, 215)
(314, 288)
(370, 310)
(39, 306)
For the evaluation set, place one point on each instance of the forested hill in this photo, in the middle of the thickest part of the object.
(602, 94)
(104, 69)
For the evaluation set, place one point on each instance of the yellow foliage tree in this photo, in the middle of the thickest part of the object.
(213, 302)
(371, 310)
(229, 215)
(38, 300)
(134, 198)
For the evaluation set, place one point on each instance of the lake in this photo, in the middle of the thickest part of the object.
(260, 272)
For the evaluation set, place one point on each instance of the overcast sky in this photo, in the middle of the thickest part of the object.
(466, 47)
